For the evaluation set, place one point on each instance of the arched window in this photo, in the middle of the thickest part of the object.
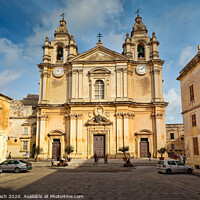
(59, 53)
(140, 50)
(99, 89)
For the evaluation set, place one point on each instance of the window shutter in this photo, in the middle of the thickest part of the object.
(195, 146)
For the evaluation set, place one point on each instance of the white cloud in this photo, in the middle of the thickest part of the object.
(11, 53)
(173, 110)
(86, 13)
(82, 15)
(174, 100)
(7, 76)
(186, 55)
(114, 41)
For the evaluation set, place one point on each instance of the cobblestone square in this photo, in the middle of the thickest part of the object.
(102, 181)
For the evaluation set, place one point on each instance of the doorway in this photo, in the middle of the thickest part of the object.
(56, 146)
(99, 145)
(144, 147)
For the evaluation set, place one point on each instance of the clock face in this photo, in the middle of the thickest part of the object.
(58, 71)
(141, 69)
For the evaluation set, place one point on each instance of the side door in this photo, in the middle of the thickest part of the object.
(11, 165)
(172, 165)
(180, 167)
(4, 165)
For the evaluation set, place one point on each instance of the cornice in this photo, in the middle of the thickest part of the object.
(190, 109)
(189, 66)
(29, 117)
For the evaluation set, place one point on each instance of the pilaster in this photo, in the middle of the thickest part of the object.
(125, 83)
(155, 71)
(42, 132)
(73, 84)
(80, 84)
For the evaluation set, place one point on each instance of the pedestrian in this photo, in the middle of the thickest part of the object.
(58, 160)
(181, 157)
(68, 158)
(26, 155)
(52, 162)
(95, 158)
(9, 156)
(184, 159)
(106, 159)
(149, 155)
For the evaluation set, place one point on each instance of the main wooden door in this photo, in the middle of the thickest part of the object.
(99, 145)
(56, 148)
(144, 148)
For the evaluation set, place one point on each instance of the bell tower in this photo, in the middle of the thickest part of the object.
(145, 85)
(56, 53)
(143, 52)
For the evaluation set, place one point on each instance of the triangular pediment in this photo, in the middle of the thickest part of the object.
(100, 53)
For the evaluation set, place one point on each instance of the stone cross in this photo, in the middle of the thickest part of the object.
(63, 15)
(99, 36)
(138, 11)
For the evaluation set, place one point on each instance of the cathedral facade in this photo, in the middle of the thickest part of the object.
(100, 100)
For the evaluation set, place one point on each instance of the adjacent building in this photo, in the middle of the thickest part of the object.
(175, 138)
(22, 126)
(101, 100)
(4, 117)
(190, 95)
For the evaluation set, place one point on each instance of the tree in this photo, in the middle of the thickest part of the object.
(124, 150)
(161, 151)
(69, 149)
(36, 151)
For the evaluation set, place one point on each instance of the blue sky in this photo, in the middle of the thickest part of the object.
(25, 24)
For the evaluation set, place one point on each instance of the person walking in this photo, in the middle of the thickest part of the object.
(68, 158)
(26, 155)
(181, 157)
(95, 158)
(52, 162)
(184, 159)
(9, 156)
(149, 155)
(106, 159)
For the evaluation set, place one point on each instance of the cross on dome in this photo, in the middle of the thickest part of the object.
(63, 15)
(138, 11)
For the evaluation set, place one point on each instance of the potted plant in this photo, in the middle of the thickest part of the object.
(69, 149)
(161, 151)
(124, 150)
(36, 151)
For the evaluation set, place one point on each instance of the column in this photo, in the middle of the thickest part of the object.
(118, 82)
(41, 85)
(69, 88)
(44, 85)
(156, 72)
(73, 84)
(79, 133)
(38, 129)
(160, 132)
(42, 143)
(73, 131)
(126, 129)
(125, 83)
(119, 131)
(129, 86)
(80, 84)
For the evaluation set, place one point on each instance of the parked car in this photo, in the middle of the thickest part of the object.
(15, 166)
(170, 166)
